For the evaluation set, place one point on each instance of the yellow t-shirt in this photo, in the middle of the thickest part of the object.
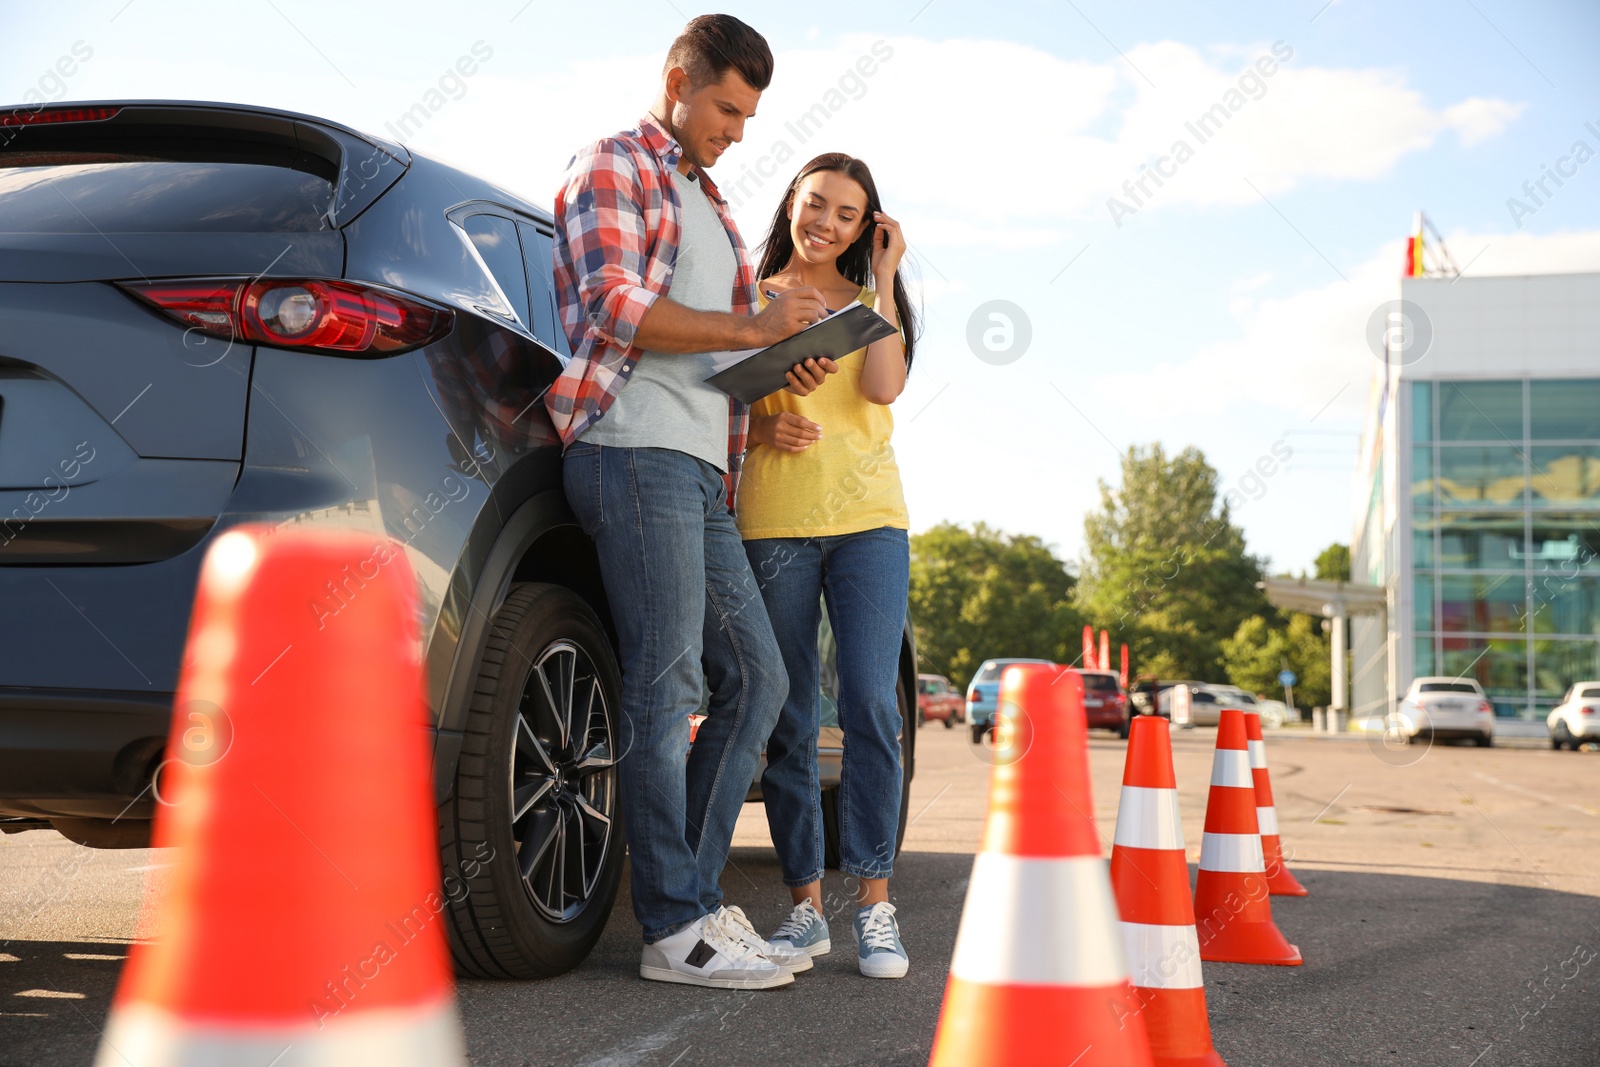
(845, 483)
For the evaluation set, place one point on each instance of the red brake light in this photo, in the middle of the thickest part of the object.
(1588, 711)
(314, 315)
(23, 117)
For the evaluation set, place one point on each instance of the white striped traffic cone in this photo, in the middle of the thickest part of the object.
(1280, 880)
(1232, 905)
(1150, 877)
(1038, 978)
(301, 925)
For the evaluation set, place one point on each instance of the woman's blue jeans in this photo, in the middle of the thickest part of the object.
(865, 577)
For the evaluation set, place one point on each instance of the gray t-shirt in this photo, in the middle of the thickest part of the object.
(667, 403)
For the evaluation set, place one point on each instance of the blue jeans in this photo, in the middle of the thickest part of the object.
(865, 577)
(683, 601)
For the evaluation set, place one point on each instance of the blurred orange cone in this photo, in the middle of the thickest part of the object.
(1150, 878)
(1038, 976)
(300, 923)
(1280, 880)
(1232, 905)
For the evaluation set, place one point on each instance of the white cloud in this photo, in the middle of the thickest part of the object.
(1476, 119)
(982, 157)
(1300, 354)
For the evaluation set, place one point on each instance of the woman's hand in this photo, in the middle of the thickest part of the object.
(784, 431)
(805, 378)
(888, 245)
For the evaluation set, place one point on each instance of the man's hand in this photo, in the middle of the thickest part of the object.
(789, 312)
(804, 378)
(785, 431)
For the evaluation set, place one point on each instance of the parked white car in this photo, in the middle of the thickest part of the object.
(1445, 707)
(1577, 718)
(1274, 713)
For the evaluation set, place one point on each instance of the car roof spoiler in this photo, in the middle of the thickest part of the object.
(361, 166)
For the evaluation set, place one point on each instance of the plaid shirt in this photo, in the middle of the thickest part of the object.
(617, 229)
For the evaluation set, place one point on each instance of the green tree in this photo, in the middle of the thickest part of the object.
(979, 594)
(1165, 567)
(1333, 563)
(1258, 650)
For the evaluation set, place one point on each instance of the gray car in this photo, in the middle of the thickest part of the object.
(213, 314)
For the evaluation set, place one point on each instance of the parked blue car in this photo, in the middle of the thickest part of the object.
(983, 692)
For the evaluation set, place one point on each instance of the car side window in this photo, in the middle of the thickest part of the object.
(495, 238)
(537, 254)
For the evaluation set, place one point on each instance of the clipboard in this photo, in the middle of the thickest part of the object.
(753, 374)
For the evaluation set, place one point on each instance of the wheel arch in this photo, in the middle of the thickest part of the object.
(540, 542)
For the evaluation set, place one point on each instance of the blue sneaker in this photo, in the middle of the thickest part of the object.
(805, 930)
(879, 951)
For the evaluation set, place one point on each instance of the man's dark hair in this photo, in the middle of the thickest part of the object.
(711, 44)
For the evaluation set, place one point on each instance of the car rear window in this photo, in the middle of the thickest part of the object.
(70, 191)
(1590, 694)
(1100, 683)
(1447, 687)
(1203, 697)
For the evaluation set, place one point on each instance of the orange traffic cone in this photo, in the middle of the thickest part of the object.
(301, 920)
(1232, 905)
(1038, 976)
(1280, 880)
(1151, 880)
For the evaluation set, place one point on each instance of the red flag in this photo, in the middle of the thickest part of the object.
(1124, 673)
(1103, 661)
(1088, 648)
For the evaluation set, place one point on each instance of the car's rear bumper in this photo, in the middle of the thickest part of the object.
(80, 753)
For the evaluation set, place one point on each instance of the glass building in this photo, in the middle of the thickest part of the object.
(1478, 495)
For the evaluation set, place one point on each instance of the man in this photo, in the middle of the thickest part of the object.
(653, 282)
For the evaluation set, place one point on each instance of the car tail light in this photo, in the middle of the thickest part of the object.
(307, 314)
(972, 697)
(47, 116)
(1485, 709)
(1587, 710)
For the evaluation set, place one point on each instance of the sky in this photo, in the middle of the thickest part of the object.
(1220, 304)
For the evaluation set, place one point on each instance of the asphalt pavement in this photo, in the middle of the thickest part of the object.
(1454, 919)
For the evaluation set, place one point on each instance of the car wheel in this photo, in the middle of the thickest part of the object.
(1485, 740)
(531, 834)
(830, 796)
(1561, 735)
(950, 721)
(977, 733)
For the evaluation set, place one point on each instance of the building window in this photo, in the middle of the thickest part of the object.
(1421, 411)
(1422, 476)
(1477, 542)
(1482, 603)
(1480, 411)
(1566, 475)
(1481, 476)
(1422, 524)
(1500, 665)
(1565, 410)
(1424, 657)
(1565, 543)
(1422, 603)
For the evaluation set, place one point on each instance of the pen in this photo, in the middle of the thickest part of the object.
(770, 295)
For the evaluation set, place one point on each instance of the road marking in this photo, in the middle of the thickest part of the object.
(1536, 796)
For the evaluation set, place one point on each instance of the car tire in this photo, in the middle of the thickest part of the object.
(546, 657)
(977, 733)
(1485, 740)
(950, 721)
(1125, 728)
(1562, 735)
(830, 796)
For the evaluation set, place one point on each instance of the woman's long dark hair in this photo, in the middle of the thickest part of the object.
(855, 262)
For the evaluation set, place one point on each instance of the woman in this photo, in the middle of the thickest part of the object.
(822, 515)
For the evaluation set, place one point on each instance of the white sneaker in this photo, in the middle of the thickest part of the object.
(704, 953)
(793, 960)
